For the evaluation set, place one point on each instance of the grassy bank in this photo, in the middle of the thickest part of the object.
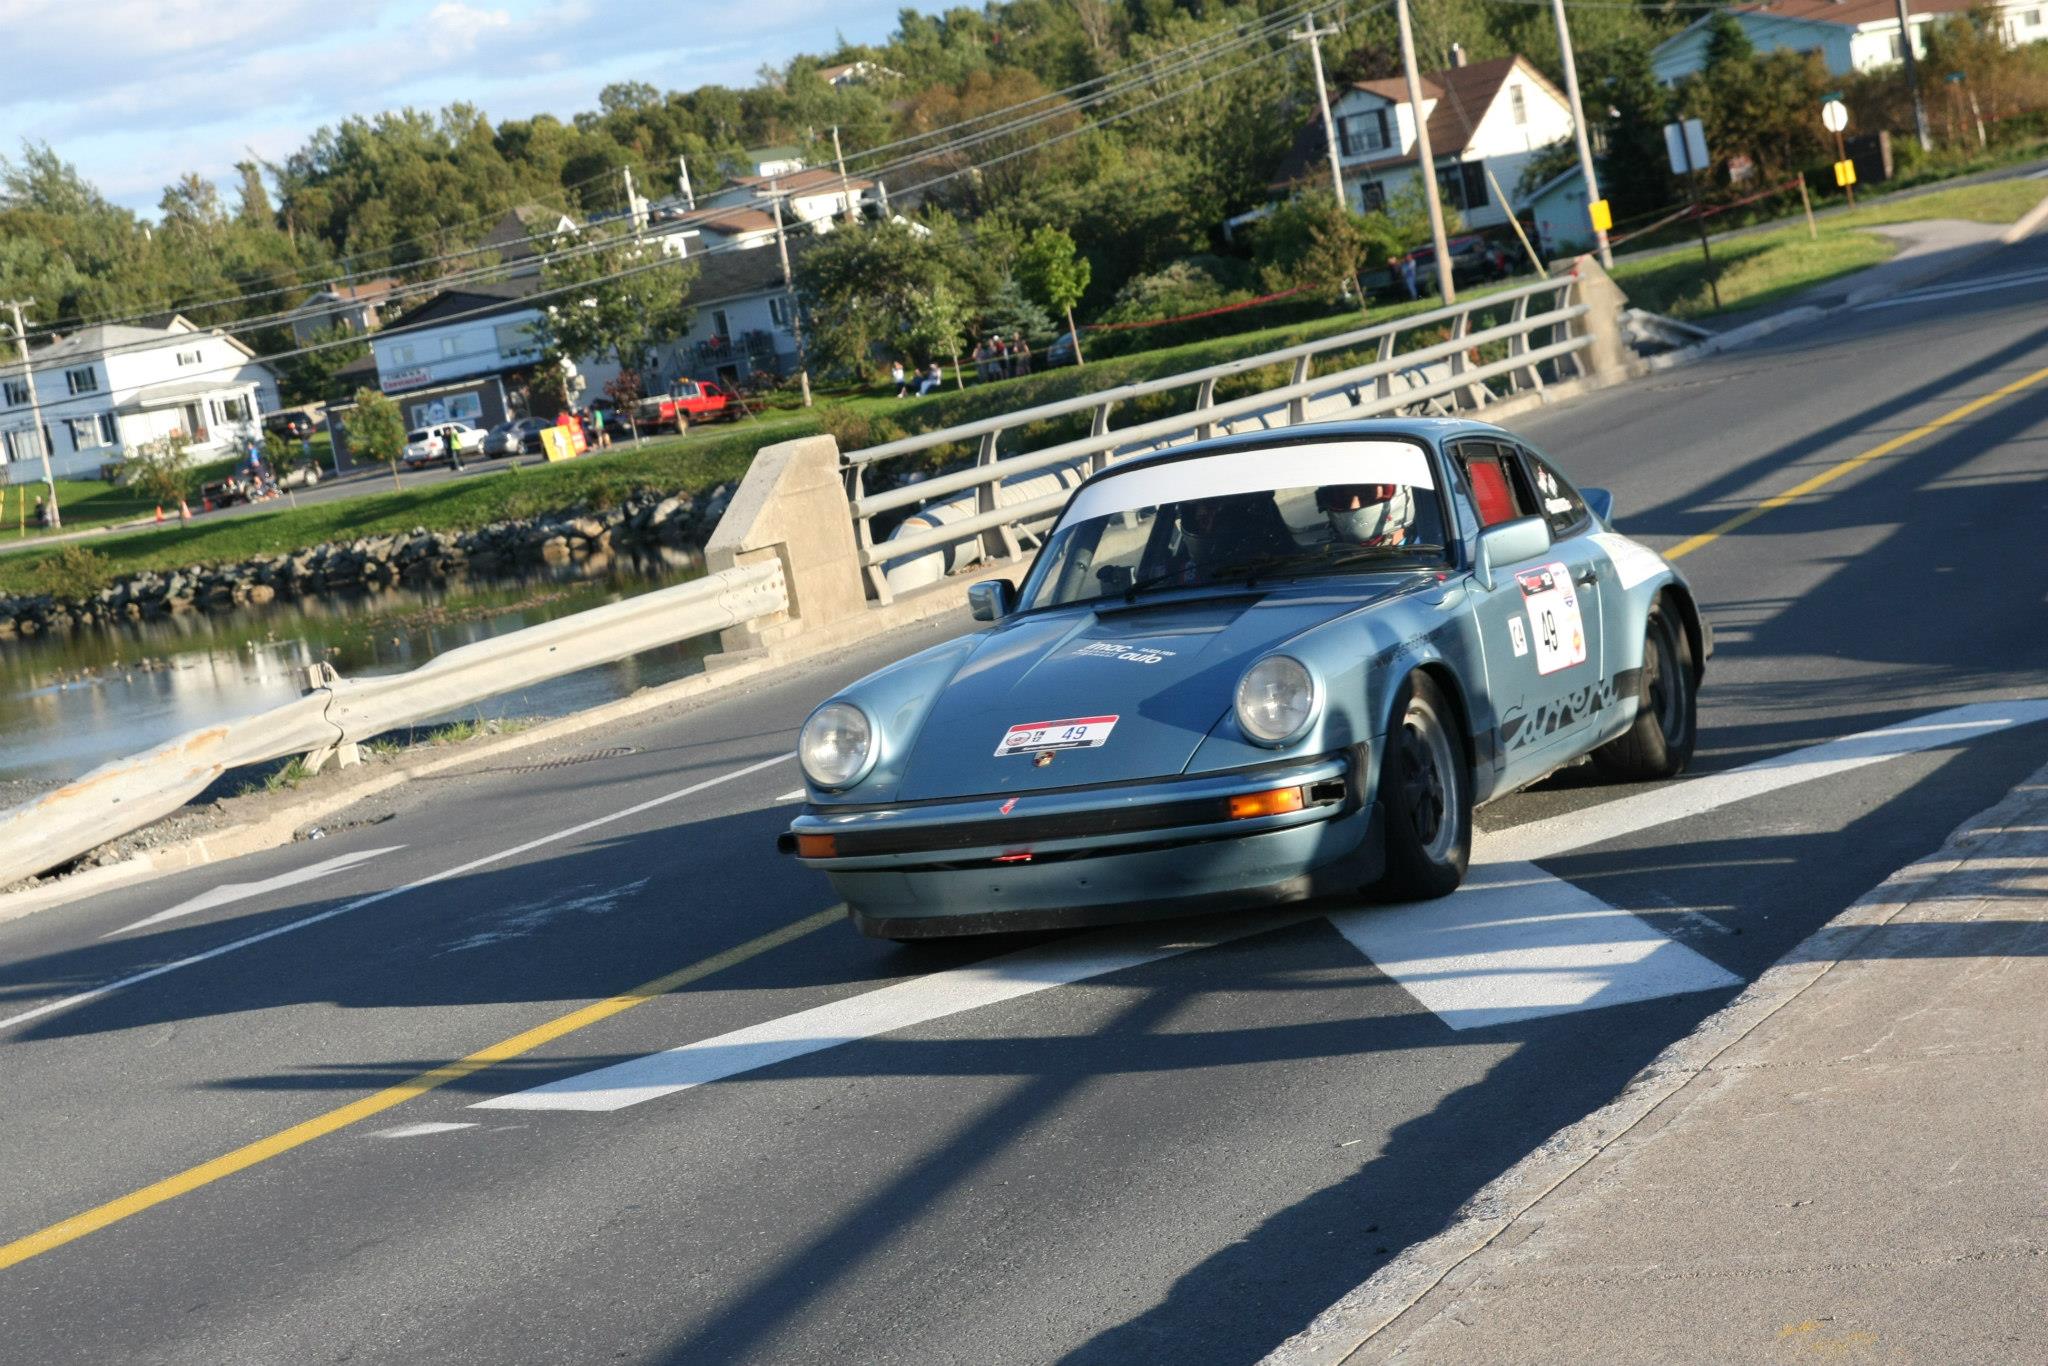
(1768, 268)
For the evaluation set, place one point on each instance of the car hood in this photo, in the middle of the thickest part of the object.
(1165, 670)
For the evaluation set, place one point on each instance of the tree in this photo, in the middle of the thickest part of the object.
(1312, 241)
(253, 210)
(161, 470)
(1053, 275)
(892, 285)
(613, 302)
(376, 429)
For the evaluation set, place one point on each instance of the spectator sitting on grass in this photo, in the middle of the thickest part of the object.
(933, 378)
(896, 377)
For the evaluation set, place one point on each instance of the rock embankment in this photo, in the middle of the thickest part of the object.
(680, 521)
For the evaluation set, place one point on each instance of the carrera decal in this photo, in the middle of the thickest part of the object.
(1554, 716)
(1634, 562)
(1075, 732)
(1554, 617)
(1518, 637)
(1128, 654)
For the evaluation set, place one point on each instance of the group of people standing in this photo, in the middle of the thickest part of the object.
(996, 358)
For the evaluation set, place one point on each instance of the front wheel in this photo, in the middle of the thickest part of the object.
(1426, 795)
(1659, 744)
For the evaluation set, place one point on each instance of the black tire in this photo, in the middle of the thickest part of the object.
(1659, 744)
(1425, 795)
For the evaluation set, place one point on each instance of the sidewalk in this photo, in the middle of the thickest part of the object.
(1848, 1164)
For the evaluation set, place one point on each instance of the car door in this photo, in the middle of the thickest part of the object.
(1582, 672)
(1532, 631)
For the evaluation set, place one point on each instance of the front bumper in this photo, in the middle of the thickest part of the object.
(1097, 856)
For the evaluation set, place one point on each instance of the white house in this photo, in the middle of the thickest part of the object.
(1488, 116)
(856, 73)
(111, 388)
(741, 322)
(741, 215)
(450, 358)
(1849, 35)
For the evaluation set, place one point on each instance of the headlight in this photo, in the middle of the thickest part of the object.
(836, 746)
(1276, 700)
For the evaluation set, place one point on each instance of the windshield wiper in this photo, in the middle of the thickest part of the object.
(1251, 569)
(1383, 552)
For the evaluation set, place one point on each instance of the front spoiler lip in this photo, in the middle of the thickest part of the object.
(978, 829)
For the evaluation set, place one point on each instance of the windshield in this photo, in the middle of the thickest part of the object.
(1241, 517)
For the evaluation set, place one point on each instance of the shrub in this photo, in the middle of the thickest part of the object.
(73, 572)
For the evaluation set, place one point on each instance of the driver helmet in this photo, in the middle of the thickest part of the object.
(1367, 514)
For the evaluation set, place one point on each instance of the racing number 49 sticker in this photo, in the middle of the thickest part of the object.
(1076, 732)
(1554, 620)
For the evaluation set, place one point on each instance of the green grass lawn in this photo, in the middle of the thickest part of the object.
(85, 503)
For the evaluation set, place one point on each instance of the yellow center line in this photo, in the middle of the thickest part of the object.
(1834, 472)
(243, 1158)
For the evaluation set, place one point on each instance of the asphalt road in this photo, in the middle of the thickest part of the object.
(1176, 1145)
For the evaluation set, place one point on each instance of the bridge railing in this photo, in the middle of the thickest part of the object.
(336, 714)
(1428, 360)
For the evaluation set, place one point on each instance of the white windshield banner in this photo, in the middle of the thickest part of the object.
(1306, 465)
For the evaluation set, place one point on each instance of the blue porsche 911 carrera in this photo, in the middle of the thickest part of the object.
(1250, 671)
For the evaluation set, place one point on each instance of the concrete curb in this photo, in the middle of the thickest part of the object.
(279, 827)
(1354, 1321)
(2030, 220)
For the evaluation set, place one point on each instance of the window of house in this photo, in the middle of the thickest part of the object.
(1898, 49)
(16, 392)
(188, 358)
(1519, 103)
(110, 430)
(85, 380)
(1464, 184)
(449, 346)
(778, 311)
(1361, 134)
(720, 324)
(1371, 196)
(83, 431)
(2032, 19)
(402, 355)
(234, 409)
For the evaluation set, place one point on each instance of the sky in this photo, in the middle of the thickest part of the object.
(136, 92)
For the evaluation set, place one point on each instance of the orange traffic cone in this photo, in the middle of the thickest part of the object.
(159, 513)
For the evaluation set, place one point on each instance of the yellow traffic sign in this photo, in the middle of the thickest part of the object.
(1845, 173)
(1601, 216)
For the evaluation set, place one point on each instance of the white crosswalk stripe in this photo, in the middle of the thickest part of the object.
(1515, 943)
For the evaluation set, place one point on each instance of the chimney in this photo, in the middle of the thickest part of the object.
(1457, 54)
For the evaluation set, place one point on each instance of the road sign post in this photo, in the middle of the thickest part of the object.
(1834, 116)
(1686, 144)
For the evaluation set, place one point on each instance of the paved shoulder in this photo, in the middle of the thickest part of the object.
(1843, 1164)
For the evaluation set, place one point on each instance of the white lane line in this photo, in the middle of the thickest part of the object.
(420, 1130)
(1545, 839)
(1004, 978)
(248, 941)
(790, 796)
(230, 892)
(1925, 296)
(1514, 943)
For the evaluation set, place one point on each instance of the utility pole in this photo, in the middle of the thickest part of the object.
(796, 323)
(1913, 78)
(683, 184)
(1425, 159)
(845, 186)
(35, 405)
(633, 211)
(1571, 89)
(1313, 36)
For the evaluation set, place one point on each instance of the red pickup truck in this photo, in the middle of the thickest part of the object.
(687, 401)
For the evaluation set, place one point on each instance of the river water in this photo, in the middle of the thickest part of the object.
(72, 701)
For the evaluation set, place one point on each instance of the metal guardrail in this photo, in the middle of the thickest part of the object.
(1435, 370)
(129, 793)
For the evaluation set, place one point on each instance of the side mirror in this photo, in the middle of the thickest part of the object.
(1602, 504)
(992, 599)
(1508, 543)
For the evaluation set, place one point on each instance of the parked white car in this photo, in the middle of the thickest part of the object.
(424, 446)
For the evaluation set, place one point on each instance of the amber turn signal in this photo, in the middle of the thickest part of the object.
(1277, 802)
(816, 846)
